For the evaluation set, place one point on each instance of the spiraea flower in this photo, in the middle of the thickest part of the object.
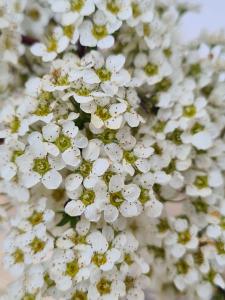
(112, 152)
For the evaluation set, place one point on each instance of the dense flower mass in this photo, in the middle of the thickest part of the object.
(112, 151)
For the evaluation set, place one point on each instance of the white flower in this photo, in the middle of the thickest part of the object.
(8, 156)
(87, 201)
(106, 286)
(202, 184)
(71, 10)
(39, 167)
(183, 239)
(13, 121)
(66, 269)
(32, 215)
(36, 18)
(99, 32)
(55, 44)
(109, 72)
(142, 11)
(115, 9)
(63, 140)
(28, 285)
(151, 68)
(122, 198)
(101, 255)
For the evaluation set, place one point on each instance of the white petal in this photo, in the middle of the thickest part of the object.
(8, 171)
(114, 123)
(70, 157)
(116, 183)
(110, 213)
(50, 132)
(38, 49)
(115, 62)
(73, 181)
(154, 208)
(202, 140)
(98, 241)
(106, 43)
(30, 179)
(52, 180)
(100, 166)
(74, 208)
(131, 192)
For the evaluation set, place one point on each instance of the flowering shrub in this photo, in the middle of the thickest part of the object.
(113, 150)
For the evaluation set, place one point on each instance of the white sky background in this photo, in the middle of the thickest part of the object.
(211, 17)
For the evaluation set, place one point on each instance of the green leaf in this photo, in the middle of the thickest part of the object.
(220, 295)
(66, 219)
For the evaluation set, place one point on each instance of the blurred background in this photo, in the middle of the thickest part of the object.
(210, 18)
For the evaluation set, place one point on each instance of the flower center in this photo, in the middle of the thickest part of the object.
(197, 128)
(136, 11)
(85, 168)
(103, 113)
(184, 237)
(175, 136)
(200, 206)
(88, 197)
(42, 110)
(77, 239)
(48, 280)
(63, 142)
(159, 126)
(108, 136)
(113, 7)
(16, 154)
(41, 166)
(201, 182)
(83, 91)
(198, 258)
(29, 297)
(189, 111)
(79, 295)
(128, 259)
(144, 196)
(15, 125)
(99, 31)
(182, 267)
(171, 167)
(37, 245)
(107, 176)
(146, 29)
(151, 69)
(72, 268)
(163, 85)
(34, 14)
(18, 256)
(58, 79)
(129, 282)
(157, 149)
(69, 31)
(103, 74)
(58, 194)
(36, 218)
(116, 199)
(129, 157)
(163, 225)
(99, 259)
(52, 44)
(77, 5)
(195, 70)
(104, 286)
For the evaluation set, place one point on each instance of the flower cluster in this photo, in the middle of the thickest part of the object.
(112, 153)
